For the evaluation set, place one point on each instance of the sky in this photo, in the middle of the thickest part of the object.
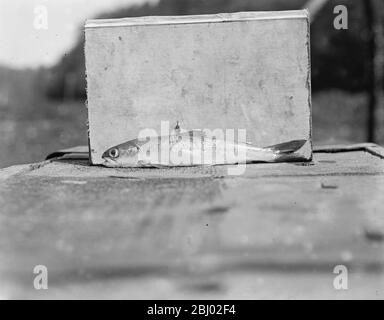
(37, 33)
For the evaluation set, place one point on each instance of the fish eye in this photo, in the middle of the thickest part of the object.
(114, 153)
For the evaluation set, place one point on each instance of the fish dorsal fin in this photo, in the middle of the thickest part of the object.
(287, 147)
(177, 128)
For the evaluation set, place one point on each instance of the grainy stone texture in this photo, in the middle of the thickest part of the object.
(239, 71)
(275, 232)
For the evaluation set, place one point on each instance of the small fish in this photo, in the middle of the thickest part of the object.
(193, 148)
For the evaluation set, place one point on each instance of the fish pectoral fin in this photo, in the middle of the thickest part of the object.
(287, 147)
(144, 164)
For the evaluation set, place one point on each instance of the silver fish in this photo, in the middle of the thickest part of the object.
(193, 148)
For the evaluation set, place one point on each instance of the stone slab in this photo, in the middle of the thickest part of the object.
(275, 232)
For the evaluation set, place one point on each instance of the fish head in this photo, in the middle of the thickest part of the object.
(123, 155)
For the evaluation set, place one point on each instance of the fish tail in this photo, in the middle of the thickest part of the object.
(287, 147)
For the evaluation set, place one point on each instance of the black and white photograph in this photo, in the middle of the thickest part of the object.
(191, 154)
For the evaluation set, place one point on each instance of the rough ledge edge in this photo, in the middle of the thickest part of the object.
(8, 172)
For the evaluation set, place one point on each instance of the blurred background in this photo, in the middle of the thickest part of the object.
(42, 72)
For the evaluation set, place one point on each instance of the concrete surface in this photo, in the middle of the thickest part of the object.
(277, 231)
(246, 70)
